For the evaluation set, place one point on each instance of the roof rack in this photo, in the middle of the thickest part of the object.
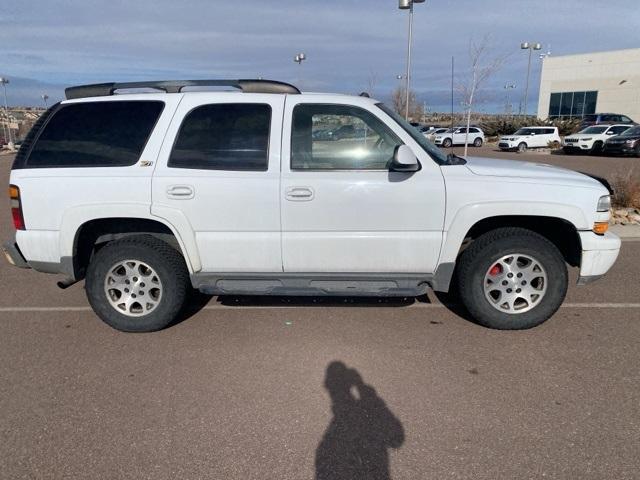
(176, 86)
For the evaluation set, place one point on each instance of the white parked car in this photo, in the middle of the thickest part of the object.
(530, 137)
(147, 195)
(456, 136)
(431, 135)
(591, 139)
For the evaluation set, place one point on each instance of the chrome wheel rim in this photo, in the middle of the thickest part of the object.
(133, 288)
(516, 283)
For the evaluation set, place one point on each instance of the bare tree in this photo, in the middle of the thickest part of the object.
(372, 81)
(399, 99)
(481, 68)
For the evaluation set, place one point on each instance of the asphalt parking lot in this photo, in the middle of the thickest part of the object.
(254, 388)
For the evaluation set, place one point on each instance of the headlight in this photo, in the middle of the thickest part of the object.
(631, 142)
(604, 203)
(587, 139)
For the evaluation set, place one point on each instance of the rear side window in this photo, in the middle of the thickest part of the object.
(95, 134)
(231, 136)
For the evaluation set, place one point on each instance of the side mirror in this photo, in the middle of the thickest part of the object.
(609, 133)
(404, 160)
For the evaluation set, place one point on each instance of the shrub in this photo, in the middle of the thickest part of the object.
(626, 190)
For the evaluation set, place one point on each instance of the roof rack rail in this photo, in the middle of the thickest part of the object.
(176, 86)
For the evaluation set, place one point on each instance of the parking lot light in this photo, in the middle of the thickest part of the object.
(408, 5)
(531, 46)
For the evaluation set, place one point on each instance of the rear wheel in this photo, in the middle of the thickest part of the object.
(447, 142)
(596, 149)
(477, 142)
(137, 284)
(512, 279)
(522, 147)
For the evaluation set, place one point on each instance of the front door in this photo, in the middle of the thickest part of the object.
(342, 209)
(218, 175)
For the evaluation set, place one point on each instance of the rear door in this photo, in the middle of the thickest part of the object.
(217, 178)
(342, 209)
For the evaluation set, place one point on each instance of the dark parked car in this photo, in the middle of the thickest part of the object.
(628, 143)
(598, 118)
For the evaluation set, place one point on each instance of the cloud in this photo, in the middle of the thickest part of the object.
(74, 42)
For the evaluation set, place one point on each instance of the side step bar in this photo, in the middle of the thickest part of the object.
(335, 284)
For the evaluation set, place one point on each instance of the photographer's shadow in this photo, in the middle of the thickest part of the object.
(356, 442)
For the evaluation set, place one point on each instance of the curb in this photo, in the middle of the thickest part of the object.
(626, 232)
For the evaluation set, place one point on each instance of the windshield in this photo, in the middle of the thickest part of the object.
(433, 151)
(632, 131)
(594, 130)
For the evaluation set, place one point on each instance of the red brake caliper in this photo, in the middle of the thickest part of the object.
(495, 270)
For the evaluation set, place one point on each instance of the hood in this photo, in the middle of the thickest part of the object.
(539, 172)
(584, 135)
(514, 137)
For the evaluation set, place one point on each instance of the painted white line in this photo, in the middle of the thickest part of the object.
(334, 305)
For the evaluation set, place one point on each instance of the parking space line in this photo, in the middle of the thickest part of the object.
(256, 307)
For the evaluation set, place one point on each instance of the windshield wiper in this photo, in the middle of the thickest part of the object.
(453, 159)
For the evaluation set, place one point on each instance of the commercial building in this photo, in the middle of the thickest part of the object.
(602, 82)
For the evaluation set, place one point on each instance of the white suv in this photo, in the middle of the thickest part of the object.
(591, 139)
(530, 137)
(456, 136)
(146, 195)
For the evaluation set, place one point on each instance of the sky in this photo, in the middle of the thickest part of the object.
(350, 44)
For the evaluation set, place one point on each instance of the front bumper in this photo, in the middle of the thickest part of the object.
(599, 253)
(13, 255)
(619, 149)
(577, 147)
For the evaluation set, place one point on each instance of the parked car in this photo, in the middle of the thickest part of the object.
(530, 137)
(605, 118)
(591, 139)
(627, 143)
(456, 136)
(147, 195)
(431, 135)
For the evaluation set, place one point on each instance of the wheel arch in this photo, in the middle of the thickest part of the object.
(562, 232)
(94, 233)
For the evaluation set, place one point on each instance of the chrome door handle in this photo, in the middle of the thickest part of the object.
(180, 192)
(299, 194)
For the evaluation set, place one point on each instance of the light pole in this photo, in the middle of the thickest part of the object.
(4, 82)
(531, 47)
(45, 97)
(508, 106)
(408, 5)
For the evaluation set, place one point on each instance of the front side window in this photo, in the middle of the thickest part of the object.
(340, 137)
(95, 134)
(230, 136)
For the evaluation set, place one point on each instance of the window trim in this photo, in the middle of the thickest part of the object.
(344, 105)
(184, 117)
(61, 106)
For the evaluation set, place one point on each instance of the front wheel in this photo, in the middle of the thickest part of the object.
(477, 142)
(137, 284)
(596, 149)
(512, 279)
(522, 147)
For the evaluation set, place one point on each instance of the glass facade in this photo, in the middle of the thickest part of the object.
(567, 105)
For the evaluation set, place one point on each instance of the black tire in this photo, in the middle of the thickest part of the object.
(596, 149)
(446, 143)
(522, 147)
(167, 264)
(476, 261)
(477, 142)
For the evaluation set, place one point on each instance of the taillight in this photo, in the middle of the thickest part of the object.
(16, 207)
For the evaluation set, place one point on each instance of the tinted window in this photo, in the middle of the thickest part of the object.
(554, 104)
(340, 137)
(619, 130)
(96, 134)
(232, 136)
(625, 119)
(474, 130)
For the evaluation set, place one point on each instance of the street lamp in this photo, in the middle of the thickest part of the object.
(299, 58)
(408, 5)
(4, 82)
(45, 97)
(531, 47)
(507, 87)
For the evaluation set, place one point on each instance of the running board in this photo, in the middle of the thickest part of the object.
(333, 284)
